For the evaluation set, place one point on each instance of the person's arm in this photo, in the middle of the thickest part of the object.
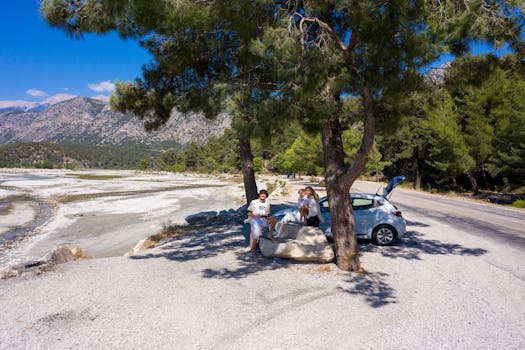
(251, 209)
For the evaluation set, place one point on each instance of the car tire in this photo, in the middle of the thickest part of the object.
(384, 235)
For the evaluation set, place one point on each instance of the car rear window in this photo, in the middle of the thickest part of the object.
(362, 203)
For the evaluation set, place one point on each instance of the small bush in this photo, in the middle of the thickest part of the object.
(520, 203)
(176, 168)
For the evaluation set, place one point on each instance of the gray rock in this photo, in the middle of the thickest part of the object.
(200, 217)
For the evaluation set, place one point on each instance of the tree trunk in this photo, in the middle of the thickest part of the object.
(340, 178)
(418, 180)
(471, 178)
(341, 216)
(248, 175)
(473, 182)
(487, 187)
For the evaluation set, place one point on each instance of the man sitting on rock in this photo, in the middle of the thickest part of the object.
(259, 217)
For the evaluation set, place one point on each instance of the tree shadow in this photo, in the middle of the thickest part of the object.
(199, 242)
(373, 286)
(213, 239)
(414, 244)
(417, 224)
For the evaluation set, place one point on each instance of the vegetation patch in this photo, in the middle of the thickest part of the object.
(96, 177)
(7, 204)
(520, 203)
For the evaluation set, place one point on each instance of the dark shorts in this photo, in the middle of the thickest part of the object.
(313, 221)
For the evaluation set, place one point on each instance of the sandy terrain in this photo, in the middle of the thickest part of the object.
(438, 289)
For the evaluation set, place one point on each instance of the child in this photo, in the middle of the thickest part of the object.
(258, 217)
(302, 203)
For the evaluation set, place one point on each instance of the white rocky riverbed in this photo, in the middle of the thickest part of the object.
(105, 213)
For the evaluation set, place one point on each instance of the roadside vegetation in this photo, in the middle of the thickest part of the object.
(463, 133)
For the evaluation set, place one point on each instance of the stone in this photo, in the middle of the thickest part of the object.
(7, 272)
(288, 230)
(200, 217)
(299, 243)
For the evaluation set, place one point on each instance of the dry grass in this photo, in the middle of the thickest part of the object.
(325, 268)
(8, 204)
(79, 254)
(168, 230)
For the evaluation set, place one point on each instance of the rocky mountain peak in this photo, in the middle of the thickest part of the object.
(84, 120)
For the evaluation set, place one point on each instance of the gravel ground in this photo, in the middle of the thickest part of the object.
(438, 289)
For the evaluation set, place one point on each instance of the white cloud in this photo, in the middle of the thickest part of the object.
(58, 98)
(102, 98)
(18, 104)
(36, 93)
(27, 105)
(103, 86)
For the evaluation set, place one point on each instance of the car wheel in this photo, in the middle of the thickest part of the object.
(384, 235)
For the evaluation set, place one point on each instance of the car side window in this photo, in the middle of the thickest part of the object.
(324, 206)
(362, 203)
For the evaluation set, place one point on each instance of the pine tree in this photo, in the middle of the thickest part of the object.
(293, 59)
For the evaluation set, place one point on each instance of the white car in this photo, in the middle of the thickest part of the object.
(375, 217)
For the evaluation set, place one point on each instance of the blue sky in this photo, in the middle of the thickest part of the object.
(37, 61)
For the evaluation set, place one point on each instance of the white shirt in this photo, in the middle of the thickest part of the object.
(313, 207)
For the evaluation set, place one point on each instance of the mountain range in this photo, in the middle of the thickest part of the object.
(82, 120)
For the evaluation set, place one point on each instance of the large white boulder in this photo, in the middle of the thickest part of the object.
(299, 243)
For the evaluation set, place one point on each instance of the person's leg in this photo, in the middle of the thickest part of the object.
(271, 222)
(256, 233)
(255, 243)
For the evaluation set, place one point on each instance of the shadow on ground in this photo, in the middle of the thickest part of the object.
(373, 287)
(414, 245)
(211, 240)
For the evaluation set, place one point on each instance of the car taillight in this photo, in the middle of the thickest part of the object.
(396, 212)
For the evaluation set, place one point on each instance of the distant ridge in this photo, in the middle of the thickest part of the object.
(83, 120)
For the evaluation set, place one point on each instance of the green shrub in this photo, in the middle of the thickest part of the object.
(176, 168)
(257, 164)
(520, 203)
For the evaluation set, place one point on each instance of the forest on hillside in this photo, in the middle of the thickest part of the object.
(464, 131)
(73, 156)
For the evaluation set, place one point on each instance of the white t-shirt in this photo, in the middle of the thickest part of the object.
(313, 207)
(259, 208)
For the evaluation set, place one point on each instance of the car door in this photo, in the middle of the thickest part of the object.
(363, 209)
(324, 214)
